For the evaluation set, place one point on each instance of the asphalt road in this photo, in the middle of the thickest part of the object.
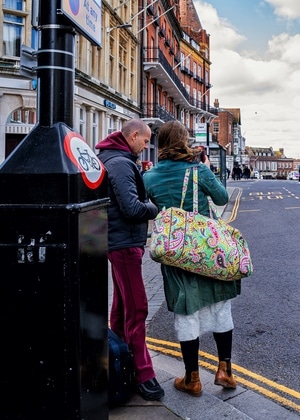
(267, 313)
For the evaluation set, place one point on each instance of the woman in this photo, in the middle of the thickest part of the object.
(199, 303)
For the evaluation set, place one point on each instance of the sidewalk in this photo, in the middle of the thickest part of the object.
(214, 403)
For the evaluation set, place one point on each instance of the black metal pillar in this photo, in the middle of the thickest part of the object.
(53, 244)
(207, 138)
(55, 66)
(223, 172)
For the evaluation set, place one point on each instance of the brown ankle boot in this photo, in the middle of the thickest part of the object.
(193, 388)
(222, 377)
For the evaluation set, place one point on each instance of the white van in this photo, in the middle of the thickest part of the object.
(293, 175)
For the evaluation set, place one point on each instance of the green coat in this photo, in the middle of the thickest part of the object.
(187, 292)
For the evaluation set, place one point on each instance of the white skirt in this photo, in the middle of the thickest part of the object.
(214, 318)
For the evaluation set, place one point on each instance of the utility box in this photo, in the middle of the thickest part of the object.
(53, 246)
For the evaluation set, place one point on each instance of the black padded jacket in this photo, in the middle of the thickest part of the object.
(129, 210)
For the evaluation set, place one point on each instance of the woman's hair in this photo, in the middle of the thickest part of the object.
(172, 134)
(173, 142)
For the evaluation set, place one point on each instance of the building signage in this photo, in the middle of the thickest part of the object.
(109, 104)
(200, 131)
(86, 15)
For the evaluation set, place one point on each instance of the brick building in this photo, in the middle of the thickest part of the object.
(153, 63)
(270, 163)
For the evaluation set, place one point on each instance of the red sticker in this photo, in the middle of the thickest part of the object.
(79, 152)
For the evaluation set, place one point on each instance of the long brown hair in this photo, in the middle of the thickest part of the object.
(173, 142)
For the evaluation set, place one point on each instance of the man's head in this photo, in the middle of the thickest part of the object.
(137, 134)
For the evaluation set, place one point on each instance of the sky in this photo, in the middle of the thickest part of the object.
(255, 56)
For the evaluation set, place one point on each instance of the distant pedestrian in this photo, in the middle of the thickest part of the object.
(199, 303)
(246, 172)
(128, 215)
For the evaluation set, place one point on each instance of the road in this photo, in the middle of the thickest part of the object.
(266, 315)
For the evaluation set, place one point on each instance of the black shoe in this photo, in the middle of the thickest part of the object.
(150, 390)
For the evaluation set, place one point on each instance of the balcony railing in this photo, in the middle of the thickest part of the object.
(153, 110)
(156, 56)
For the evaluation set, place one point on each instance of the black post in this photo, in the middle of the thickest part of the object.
(223, 173)
(53, 245)
(207, 138)
(55, 66)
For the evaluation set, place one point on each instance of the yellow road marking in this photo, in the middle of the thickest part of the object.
(236, 206)
(237, 368)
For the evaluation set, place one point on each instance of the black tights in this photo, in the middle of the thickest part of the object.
(189, 350)
(224, 345)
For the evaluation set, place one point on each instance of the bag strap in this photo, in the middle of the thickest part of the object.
(214, 214)
(195, 188)
(184, 186)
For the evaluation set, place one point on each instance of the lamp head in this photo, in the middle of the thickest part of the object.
(126, 25)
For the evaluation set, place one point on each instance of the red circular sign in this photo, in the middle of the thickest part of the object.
(79, 152)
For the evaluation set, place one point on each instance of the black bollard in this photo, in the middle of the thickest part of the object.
(53, 244)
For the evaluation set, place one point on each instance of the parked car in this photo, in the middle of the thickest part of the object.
(256, 175)
(293, 175)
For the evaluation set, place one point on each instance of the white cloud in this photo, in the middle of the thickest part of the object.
(287, 9)
(266, 89)
(285, 48)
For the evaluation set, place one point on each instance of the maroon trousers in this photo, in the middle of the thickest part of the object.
(130, 307)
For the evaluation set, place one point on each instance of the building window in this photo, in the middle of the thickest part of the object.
(13, 27)
(132, 92)
(182, 116)
(206, 77)
(195, 68)
(200, 72)
(123, 82)
(95, 124)
(22, 116)
(182, 60)
(216, 127)
(187, 120)
(110, 124)
(273, 166)
(82, 126)
(188, 63)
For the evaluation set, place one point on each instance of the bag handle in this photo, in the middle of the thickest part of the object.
(212, 209)
(195, 188)
(184, 186)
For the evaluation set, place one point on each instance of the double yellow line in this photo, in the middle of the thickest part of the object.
(244, 377)
(236, 206)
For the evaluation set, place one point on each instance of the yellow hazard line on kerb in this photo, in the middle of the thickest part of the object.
(170, 348)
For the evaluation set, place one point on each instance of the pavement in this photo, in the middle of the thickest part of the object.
(215, 403)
